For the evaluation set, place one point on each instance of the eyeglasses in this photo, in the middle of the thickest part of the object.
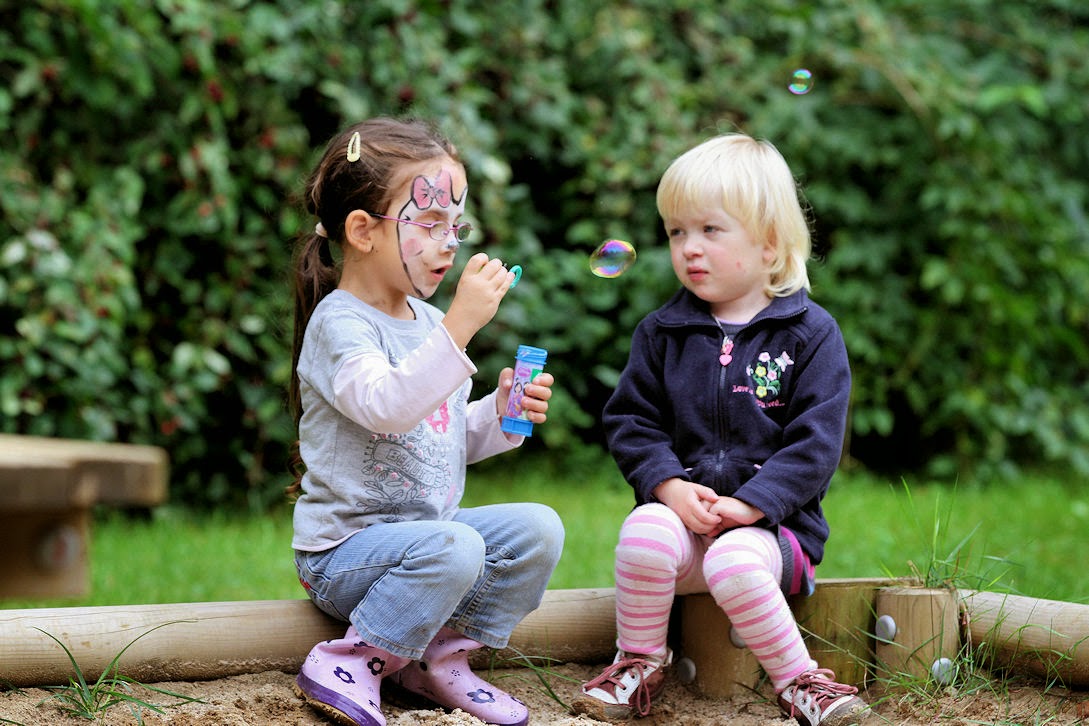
(438, 231)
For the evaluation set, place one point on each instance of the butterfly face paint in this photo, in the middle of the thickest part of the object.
(431, 198)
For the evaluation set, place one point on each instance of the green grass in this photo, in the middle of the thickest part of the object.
(1021, 537)
(89, 700)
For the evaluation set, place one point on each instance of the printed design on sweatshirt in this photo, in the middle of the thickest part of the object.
(440, 420)
(406, 469)
(766, 375)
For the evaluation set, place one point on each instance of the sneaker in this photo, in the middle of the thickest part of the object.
(625, 689)
(815, 699)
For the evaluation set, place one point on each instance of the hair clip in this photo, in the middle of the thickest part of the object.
(319, 230)
(355, 145)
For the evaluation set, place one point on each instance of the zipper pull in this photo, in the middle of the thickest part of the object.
(727, 349)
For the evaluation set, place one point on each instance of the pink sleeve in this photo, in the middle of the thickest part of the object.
(381, 397)
(483, 436)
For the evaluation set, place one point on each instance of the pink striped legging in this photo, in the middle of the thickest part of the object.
(658, 557)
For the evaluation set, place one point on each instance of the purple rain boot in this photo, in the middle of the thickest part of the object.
(341, 678)
(443, 676)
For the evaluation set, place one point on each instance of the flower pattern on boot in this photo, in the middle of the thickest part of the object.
(443, 676)
(342, 679)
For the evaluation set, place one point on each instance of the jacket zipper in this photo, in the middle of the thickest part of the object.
(724, 359)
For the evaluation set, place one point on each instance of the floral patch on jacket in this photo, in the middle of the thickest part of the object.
(767, 375)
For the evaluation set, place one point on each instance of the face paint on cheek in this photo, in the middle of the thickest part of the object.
(415, 288)
(411, 248)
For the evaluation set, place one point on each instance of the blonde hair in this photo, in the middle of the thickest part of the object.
(749, 180)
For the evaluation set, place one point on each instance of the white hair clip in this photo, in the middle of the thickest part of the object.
(355, 145)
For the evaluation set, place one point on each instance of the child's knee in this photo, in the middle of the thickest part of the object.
(652, 532)
(460, 547)
(543, 531)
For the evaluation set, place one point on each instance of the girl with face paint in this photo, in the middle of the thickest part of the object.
(380, 390)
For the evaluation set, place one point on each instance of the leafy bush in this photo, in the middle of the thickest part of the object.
(151, 153)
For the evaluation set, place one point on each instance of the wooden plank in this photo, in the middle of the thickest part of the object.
(42, 485)
(33, 473)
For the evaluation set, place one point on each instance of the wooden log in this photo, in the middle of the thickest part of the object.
(720, 667)
(213, 640)
(835, 621)
(198, 641)
(195, 640)
(926, 623)
(1045, 638)
(570, 626)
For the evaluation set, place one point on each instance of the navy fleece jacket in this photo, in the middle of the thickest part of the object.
(766, 428)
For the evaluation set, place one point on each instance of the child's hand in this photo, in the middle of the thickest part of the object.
(534, 399)
(734, 513)
(482, 286)
(691, 502)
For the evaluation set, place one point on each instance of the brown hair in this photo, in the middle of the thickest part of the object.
(334, 189)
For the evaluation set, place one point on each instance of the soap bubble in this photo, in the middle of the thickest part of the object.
(612, 258)
(801, 82)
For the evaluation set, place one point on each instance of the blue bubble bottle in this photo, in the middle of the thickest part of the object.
(528, 362)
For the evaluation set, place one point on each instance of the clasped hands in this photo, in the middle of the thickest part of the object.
(702, 510)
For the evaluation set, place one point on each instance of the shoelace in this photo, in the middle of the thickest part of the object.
(821, 687)
(614, 674)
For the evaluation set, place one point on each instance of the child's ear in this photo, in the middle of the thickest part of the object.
(357, 230)
(771, 248)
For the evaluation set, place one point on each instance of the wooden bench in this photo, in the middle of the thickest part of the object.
(47, 490)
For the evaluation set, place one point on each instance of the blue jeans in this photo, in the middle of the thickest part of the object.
(398, 583)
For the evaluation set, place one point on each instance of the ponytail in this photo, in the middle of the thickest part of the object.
(316, 275)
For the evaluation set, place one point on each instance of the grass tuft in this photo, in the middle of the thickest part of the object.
(540, 668)
(89, 700)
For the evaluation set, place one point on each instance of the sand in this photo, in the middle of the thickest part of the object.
(267, 699)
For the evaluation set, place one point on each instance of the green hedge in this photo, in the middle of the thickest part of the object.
(150, 155)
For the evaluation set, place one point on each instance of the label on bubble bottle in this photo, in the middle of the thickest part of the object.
(527, 364)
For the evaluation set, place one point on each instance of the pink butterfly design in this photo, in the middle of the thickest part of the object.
(440, 420)
(439, 191)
